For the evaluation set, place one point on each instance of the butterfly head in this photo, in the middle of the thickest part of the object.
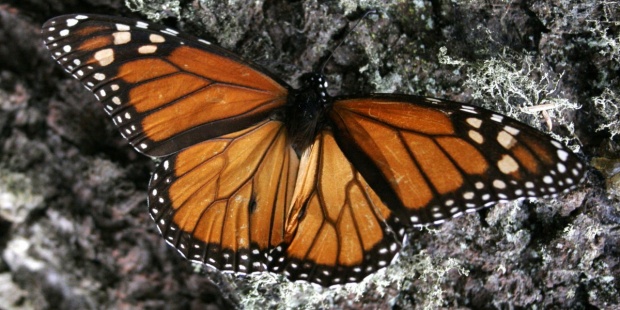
(307, 109)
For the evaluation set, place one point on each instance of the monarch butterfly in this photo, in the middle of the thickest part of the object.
(256, 176)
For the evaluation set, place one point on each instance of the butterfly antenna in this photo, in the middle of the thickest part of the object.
(331, 53)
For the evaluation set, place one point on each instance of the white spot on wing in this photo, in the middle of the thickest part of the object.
(121, 37)
(171, 32)
(497, 118)
(506, 140)
(147, 49)
(511, 130)
(499, 184)
(561, 168)
(155, 38)
(507, 164)
(122, 27)
(104, 57)
(563, 155)
(556, 144)
(476, 136)
(468, 109)
(474, 122)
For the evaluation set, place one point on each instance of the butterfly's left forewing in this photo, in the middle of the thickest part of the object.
(431, 159)
(164, 90)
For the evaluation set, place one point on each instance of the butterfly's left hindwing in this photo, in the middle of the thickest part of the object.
(164, 90)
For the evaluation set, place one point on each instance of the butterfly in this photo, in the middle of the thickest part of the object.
(257, 176)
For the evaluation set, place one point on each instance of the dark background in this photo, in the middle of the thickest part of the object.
(74, 227)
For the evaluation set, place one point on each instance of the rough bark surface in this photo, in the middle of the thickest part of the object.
(74, 227)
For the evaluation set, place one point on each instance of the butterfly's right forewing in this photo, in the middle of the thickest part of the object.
(164, 90)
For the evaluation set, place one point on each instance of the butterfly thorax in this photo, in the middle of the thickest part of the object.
(306, 110)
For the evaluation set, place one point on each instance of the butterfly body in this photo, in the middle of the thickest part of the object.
(256, 176)
(306, 110)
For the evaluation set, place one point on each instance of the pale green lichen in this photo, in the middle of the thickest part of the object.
(430, 270)
(608, 45)
(607, 106)
(517, 85)
(155, 10)
(17, 196)
(350, 6)
(11, 295)
(421, 267)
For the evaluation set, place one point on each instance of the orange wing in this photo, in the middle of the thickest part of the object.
(223, 202)
(164, 90)
(431, 159)
(338, 230)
